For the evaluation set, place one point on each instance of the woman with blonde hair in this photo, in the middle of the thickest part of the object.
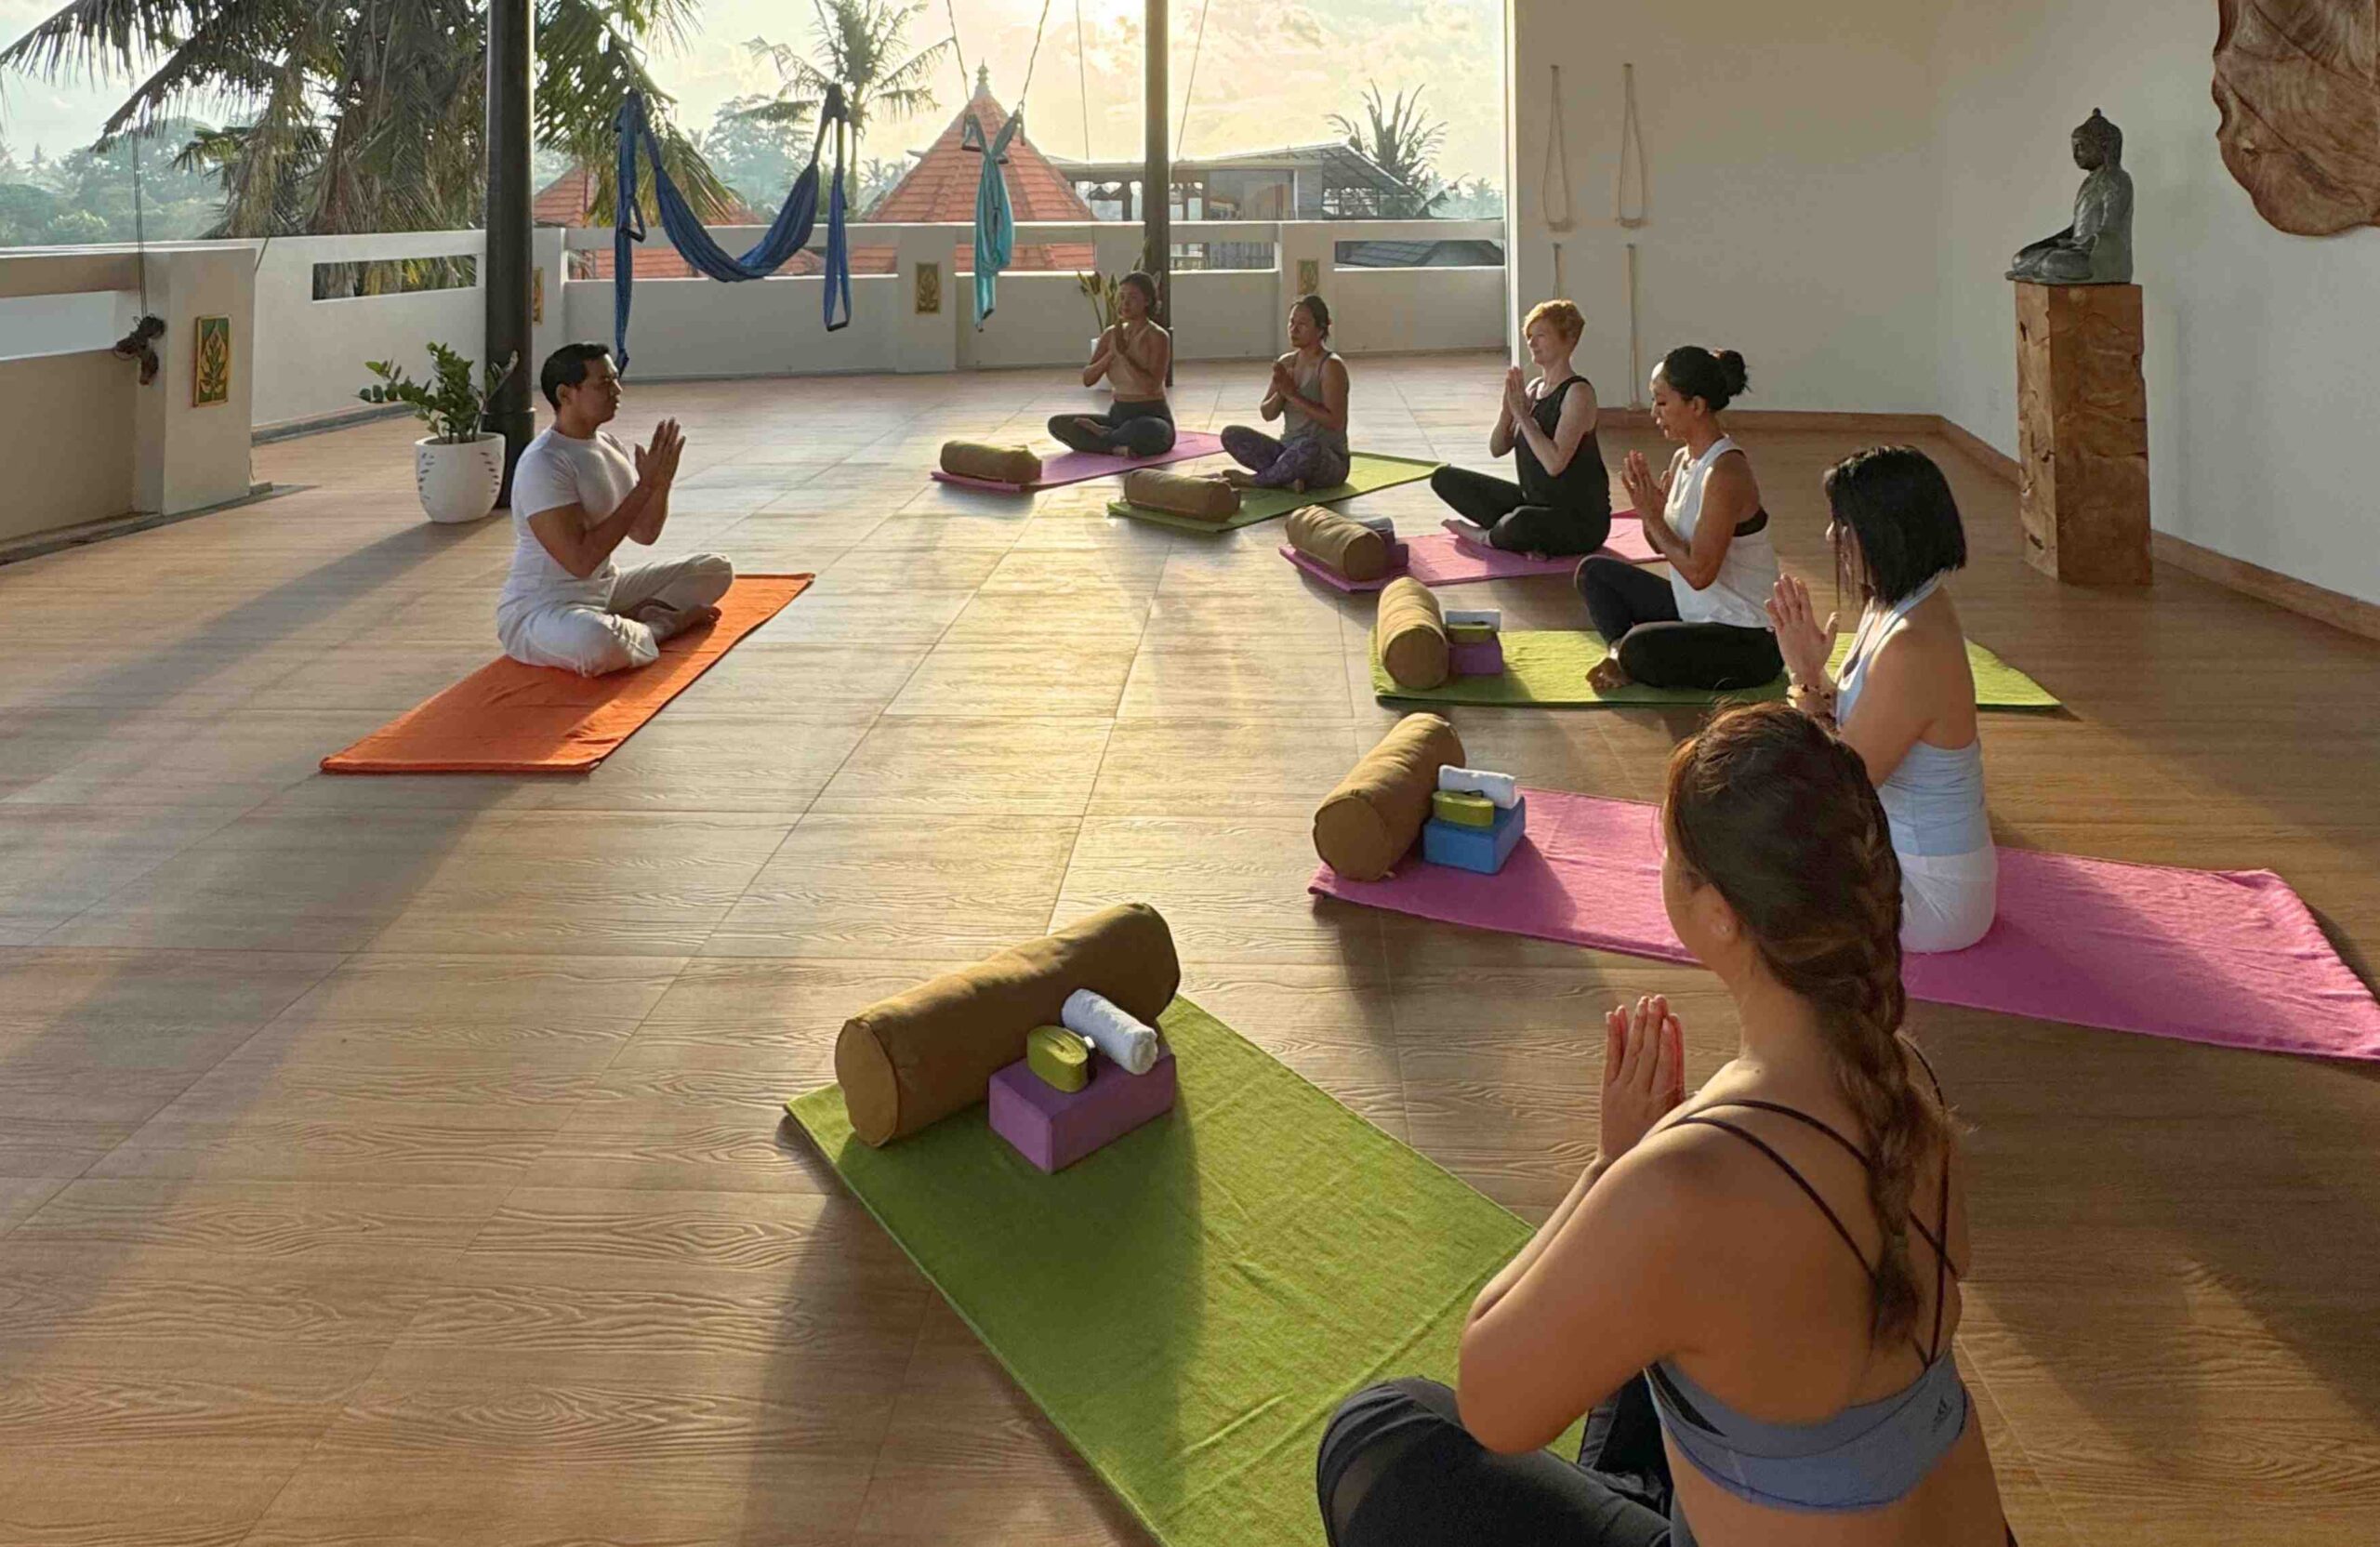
(1562, 504)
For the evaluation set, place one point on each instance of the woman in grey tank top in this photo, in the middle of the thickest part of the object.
(1310, 389)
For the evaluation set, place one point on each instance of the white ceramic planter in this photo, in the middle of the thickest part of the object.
(459, 482)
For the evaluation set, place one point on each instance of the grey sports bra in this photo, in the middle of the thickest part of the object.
(1867, 1455)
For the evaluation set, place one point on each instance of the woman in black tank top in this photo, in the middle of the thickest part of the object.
(1563, 503)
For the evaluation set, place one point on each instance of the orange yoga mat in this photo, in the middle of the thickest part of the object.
(507, 718)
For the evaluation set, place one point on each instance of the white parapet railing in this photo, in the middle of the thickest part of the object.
(313, 331)
(906, 321)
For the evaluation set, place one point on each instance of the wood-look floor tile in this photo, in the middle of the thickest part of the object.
(875, 887)
(1232, 889)
(943, 765)
(1023, 680)
(1189, 767)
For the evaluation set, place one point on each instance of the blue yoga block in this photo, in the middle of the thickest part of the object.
(1481, 848)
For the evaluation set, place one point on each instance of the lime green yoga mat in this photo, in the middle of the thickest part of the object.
(1367, 472)
(1547, 668)
(1190, 1304)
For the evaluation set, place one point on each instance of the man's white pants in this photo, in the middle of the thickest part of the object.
(593, 640)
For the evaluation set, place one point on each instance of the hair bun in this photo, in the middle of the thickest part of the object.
(1731, 371)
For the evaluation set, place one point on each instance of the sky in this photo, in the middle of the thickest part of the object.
(1269, 73)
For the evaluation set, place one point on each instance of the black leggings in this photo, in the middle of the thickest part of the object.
(1398, 1469)
(1635, 612)
(1129, 429)
(1513, 524)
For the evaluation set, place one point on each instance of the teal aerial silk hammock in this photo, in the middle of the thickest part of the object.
(995, 219)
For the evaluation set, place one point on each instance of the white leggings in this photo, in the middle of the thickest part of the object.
(1947, 901)
(593, 640)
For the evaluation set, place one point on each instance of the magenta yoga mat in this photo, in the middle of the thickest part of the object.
(1077, 467)
(2230, 958)
(1444, 558)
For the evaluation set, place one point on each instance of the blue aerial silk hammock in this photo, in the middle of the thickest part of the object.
(787, 235)
(994, 220)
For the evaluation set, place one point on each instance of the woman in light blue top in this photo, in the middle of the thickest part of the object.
(1905, 700)
(1750, 1292)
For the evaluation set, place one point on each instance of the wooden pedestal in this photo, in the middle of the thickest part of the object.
(2082, 432)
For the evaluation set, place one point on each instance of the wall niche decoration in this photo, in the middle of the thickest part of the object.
(2298, 85)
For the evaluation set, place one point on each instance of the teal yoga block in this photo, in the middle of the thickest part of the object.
(1484, 850)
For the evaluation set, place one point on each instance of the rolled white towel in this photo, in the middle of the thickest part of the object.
(1484, 617)
(1114, 1031)
(1501, 788)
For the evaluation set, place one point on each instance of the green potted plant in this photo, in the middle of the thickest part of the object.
(458, 467)
(1100, 290)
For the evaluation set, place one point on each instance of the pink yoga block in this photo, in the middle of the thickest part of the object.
(1053, 1129)
(1478, 660)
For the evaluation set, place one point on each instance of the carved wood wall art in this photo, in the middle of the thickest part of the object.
(2298, 85)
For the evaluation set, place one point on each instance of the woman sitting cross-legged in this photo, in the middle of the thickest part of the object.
(1133, 356)
(1751, 1291)
(1563, 503)
(1906, 697)
(1705, 627)
(1310, 388)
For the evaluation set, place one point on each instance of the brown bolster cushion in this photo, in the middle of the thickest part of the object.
(1409, 634)
(1372, 818)
(1347, 548)
(1179, 494)
(917, 1057)
(993, 464)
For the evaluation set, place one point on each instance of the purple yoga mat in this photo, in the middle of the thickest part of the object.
(1076, 466)
(2232, 957)
(1443, 559)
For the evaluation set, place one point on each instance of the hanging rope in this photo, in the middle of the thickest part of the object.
(966, 87)
(1632, 148)
(140, 224)
(787, 235)
(1182, 124)
(1035, 58)
(1082, 81)
(1554, 183)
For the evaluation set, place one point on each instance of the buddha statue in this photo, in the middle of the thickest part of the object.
(2096, 249)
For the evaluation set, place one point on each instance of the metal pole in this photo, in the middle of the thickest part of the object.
(1157, 172)
(505, 273)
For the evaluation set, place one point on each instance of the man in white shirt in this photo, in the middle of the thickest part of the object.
(575, 497)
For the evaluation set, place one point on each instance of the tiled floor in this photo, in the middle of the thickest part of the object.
(398, 1160)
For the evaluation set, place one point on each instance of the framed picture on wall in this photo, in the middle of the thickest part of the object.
(210, 370)
(928, 289)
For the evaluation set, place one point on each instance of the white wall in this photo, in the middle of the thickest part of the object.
(1791, 189)
(309, 357)
(2260, 344)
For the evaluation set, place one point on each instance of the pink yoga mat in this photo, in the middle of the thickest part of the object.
(2232, 957)
(1444, 558)
(1076, 466)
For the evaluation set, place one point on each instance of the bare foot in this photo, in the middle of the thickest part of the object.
(1297, 486)
(1239, 478)
(1606, 674)
(668, 622)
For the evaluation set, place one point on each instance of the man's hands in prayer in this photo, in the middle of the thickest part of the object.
(656, 465)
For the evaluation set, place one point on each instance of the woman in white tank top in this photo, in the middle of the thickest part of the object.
(1705, 625)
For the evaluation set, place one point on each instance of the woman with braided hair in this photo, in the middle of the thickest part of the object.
(1750, 1292)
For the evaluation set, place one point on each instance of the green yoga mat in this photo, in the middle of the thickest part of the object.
(1190, 1304)
(1367, 473)
(1547, 668)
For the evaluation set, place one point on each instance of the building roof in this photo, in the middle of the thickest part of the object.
(939, 188)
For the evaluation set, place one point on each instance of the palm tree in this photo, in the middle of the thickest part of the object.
(366, 115)
(858, 41)
(1400, 142)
